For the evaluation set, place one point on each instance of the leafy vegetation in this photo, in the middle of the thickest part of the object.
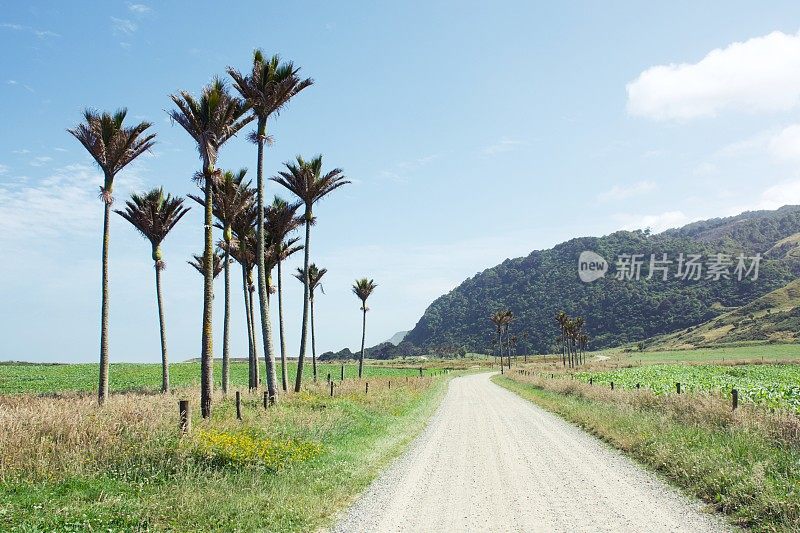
(617, 312)
(774, 386)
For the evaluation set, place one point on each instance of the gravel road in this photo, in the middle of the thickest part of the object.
(492, 461)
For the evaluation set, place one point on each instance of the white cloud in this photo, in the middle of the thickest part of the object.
(41, 34)
(40, 161)
(66, 202)
(139, 9)
(705, 169)
(622, 192)
(761, 74)
(657, 223)
(785, 193)
(123, 26)
(503, 145)
(786, 143)
(3, 169)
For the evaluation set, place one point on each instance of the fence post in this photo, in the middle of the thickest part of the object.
(678, 387)
(366, 388)
(420, 371)
(637, 385)
(390, 385)
(612, 385)
(734, 399)
(331, 388)
(591, 382)
(185, 416)
(342, 373)
(329, 378)
(238, 405)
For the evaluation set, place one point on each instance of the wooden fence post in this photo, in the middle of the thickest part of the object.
(637, 385)
(734, 399)
(390, 385)
(420, 371)
(591, 382)
(331, 388)
(329, 377)
(612, 385)
(366, 388)
(238, 405)
(185, 416)
(342, 373)
(678, 387)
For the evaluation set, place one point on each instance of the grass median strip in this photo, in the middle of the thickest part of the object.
(67, 465)
(745, 463)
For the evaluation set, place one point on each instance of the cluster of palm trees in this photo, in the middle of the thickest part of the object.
(502, 320)
(255, 235)
(573, 340)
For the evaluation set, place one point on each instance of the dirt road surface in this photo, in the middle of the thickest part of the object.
(492, 461)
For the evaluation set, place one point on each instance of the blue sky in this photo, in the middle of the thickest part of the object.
(472, 132)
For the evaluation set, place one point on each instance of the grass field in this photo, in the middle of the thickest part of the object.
(68, 465)
(744, 463)
(52, 378)
(740, 353)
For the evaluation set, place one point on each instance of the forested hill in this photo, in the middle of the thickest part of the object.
(616, 311)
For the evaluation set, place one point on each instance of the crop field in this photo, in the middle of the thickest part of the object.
(773, 386)
(144, 377)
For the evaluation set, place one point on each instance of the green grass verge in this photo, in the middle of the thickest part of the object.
(168, 489)
(741, 472)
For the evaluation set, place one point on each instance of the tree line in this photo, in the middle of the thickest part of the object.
(257, 236)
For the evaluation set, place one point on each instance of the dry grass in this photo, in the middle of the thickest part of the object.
(702, 409)
(56, 436)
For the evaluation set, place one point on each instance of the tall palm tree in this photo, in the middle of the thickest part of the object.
(242, 249)
(508, 317)
(315, 276)
(210, 121)
(280, 221)
(267, 89)
(154, 214)
(113, 146)
(198, 263)
(232, 195)
(306, 181)
(363, 288)
(498, 319)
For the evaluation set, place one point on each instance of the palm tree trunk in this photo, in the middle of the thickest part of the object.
(102, 391)
(363, 338)
(207, 353)
(284, 374)
(313, 344)
(266, 324)
(163, 327)
(256, 369)
(301, 356)
(250, 334)
(500, 347)
(226, 356)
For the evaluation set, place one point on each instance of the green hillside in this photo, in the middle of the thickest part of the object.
(775, 317)
(616, 311)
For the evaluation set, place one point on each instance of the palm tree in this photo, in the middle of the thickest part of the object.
(113, 146)
(242, 249)
(306, 181)
(363, 288)
(280, 221)
(508, 317)
(210, 121)
(231, 196)
(154, 214)
(315, 276)
(498, 319)
(198, 263)
(267, 89)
